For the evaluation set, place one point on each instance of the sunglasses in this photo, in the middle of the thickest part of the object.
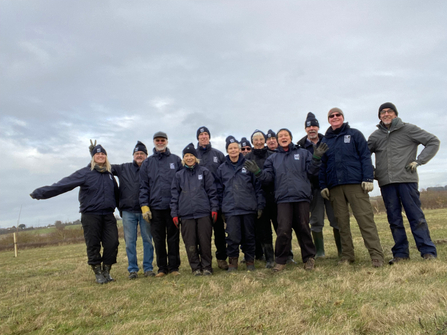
(243, 149)
(160, 140)
(334, 115)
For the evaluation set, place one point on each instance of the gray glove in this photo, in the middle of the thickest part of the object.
(259, 213)
(320, 150)
(92, 146)
(252, 167)
(325, 193)
(367, 186)
(412, 167)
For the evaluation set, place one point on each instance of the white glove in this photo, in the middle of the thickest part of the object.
(325, 193)
(367, 186)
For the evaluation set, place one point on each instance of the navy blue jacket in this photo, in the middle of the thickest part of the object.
(156, 174)
(129, 177)
(348, 160)
(193, 193)
(98, 192)
(210, 158)
(308, 145)
(239, 191)
(259, 156)
(290, 171)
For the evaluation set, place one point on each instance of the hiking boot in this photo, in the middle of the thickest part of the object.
(377, 263)
(160, 274)
(290, 260)
(222, 264)
(397, 260)
(251, 266)
(319, 243)
(98, 273)
(176, 273)
(197, 273)
(279, 267)
(207, 273)
(233, 264)
(310, 264)
(428, 256)
(269, 264)
(106, 272)
(269, 256)
(149, 273)
(133, 275)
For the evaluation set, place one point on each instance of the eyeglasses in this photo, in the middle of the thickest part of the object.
(160, 140)
(389, 111)
(334, 115)
(248, 149)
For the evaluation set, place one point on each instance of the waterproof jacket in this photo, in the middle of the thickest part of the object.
(98, 193)
(210, 158)
(193, 193)
(396, 147)
(289, 171)
(259, 156)
(156, 174)
(239, 191)
(348, 160)
(308, 145)
(129, 178)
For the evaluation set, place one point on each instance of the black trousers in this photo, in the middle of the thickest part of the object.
(196, 234)
(219, 238)
(100, 229)
(241, 232)
(164, 230)
(293, 215)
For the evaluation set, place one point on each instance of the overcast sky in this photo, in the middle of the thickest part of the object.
(118, 71)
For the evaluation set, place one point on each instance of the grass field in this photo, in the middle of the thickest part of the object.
(51, 290)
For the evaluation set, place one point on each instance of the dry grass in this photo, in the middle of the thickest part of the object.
(51, 290)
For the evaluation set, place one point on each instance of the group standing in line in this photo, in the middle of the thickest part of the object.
(241, 195)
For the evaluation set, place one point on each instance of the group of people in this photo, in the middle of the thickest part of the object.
(267, 182)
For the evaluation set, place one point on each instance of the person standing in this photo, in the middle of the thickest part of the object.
(318, 203)
(346, 176)
(271, 141)
(245, 146)
(194, 202)
(156, 175)
(241, 199)
(395, 145)
(263, 226)
(212, 158)
(98, 198)
(288, 170)
(129, 178)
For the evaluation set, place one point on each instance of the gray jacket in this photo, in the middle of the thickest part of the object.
(396, 147)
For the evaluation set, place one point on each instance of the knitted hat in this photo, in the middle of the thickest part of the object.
(311, 121)
(140, 147)
(97, 149)
(245, 142)
(202, 130)
(230, 139)
(388, 105)
(290, 133)
(189, 149)
(270, 134)
(160, 134)
(335, 110)
(258, 131)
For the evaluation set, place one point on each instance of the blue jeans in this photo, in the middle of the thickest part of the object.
(130, 225)
(407, 195)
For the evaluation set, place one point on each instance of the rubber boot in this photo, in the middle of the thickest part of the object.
(319, 243)
(106, 272)
(337, 241)
(98, 273)
(269, 256)
(233, 264)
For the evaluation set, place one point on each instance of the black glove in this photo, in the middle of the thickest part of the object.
(320, 150)
(252, 167)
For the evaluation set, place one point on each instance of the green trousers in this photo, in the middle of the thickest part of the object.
(353, 194)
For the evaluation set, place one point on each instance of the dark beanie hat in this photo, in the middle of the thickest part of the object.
(230, 139)
(270, 134)
(160, 134)
(258, 131)
(388, 105)
(189, 149)
(290, 133)
(245, 142)
(97, 149)
(311, 121)
(140, 147)
(202, 130)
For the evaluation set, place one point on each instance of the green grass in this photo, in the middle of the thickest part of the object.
(51, 290)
